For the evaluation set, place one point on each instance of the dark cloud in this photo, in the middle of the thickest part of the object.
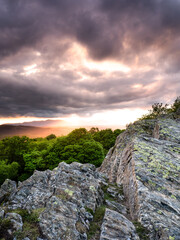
(103, 26)
(136, 33)
(58, 98)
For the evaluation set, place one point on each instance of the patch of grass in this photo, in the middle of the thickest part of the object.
(30, 217)
(63, 196)
(4, 199)
(104, 188)
(30, 230)
(89, 210)
(80, 227)
(5, 224)
(141, 231)
(95, 225)
(30, 224)
(108, 196)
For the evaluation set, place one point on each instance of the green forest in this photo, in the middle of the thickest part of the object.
(20, 156)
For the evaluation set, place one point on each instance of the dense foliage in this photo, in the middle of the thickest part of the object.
(20, 156)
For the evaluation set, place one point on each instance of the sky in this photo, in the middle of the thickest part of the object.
(87, 62)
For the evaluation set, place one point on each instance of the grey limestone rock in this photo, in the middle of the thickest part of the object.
(112, 191)
(117, 227)
(116, 206)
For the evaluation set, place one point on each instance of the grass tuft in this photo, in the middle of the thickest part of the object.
(141, 231)
(95, 225)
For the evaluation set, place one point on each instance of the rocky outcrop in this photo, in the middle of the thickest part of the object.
(134, 195)
(146, 161)
(66, 203)
(62, 196)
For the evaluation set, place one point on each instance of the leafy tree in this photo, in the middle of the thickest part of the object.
(86, 152)
(106, 137)
(51, 136)
(59, 145)
(42, 145)
(117, 132)
(20, 156)
(14, 148)
(176, 105)
(92, 152)
(71, 153)
(3, 171)
(8, 171)
(93, 130)
(13, 170)
(49, 161)
(78, 135)
(158, 109)
(32, 161)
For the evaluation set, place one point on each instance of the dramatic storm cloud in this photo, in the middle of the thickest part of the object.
(63, 57)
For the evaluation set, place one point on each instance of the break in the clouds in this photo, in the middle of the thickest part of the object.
(61, 57)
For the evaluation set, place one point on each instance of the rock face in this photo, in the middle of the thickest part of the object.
(134, 195)
(146, 161)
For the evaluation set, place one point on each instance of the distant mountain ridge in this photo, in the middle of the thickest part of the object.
(43, 123)
(7, 130)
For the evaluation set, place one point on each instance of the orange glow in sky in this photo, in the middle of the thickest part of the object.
(117, 118)
(20, 120)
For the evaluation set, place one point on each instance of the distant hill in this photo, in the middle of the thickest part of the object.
(47, 123)
(31, 131)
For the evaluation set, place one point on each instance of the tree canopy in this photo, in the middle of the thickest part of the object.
(20, 156)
